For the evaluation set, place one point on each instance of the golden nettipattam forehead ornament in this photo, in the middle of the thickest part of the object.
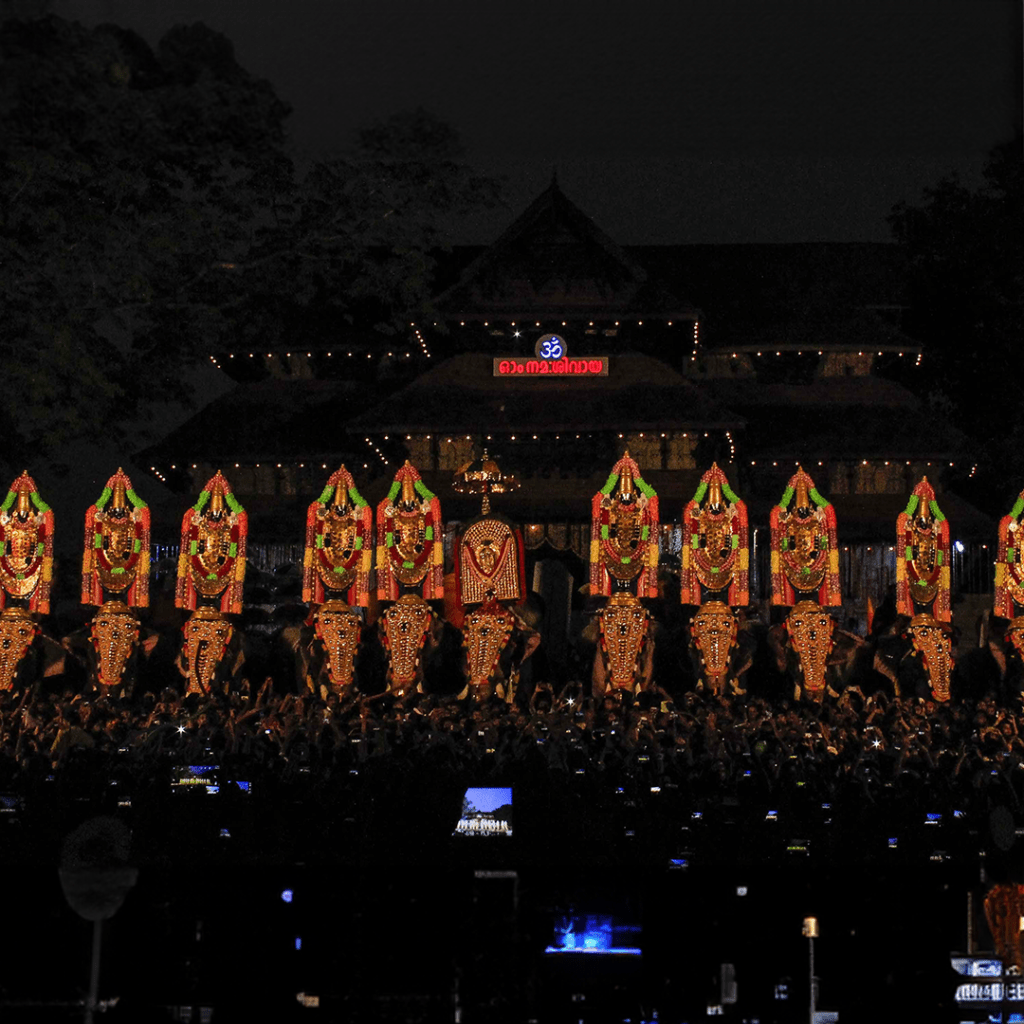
(485, 633)
(804, 545)
(338, 628)
(810, 629)
(207, 635)
(26, 546)
(212, 559)
(410, 539)
(114, 633)
(624, 628)
(339, 543)
(18, 630)
(624, 532)
(406, 624)
(116, 554)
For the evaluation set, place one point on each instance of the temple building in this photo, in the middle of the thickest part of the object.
(555, 349)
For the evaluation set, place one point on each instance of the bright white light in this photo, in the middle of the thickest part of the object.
(959, 546)
(287, 895)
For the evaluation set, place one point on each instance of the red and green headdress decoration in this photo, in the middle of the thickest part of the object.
(792, 564)
(350, 566)
(227, 579)
(704, 564)
(1009, 576)
(410, 513)
(922, 578)
(21, 578)
(96, 560)
(641, 563)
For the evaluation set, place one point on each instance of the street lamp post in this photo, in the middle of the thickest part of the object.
(811, 931)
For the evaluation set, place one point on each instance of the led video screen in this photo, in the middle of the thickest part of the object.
(486, 811)
(594, 934)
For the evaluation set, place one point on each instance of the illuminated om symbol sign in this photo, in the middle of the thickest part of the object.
(552, 348)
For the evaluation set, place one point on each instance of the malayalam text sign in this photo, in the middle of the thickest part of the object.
(513, 366)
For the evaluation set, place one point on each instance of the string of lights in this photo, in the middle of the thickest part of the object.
(419, 337)
(527, 438)
(380, 454)
(309, 355)
(800, 352)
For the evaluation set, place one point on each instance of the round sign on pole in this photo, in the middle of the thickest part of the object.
(94, 871)
(550, 346)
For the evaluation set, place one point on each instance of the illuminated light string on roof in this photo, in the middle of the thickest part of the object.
(419, 337)
(378, 451)
(735, 355)
(563, 323)
(330, 355)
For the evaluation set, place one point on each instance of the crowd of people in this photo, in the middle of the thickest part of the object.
(868, 747)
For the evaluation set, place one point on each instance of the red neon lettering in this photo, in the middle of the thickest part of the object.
(549, 367)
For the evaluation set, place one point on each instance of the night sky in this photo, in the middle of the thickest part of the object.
(673, 122)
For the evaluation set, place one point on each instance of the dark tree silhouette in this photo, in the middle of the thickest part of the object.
(150, 215)
(966, 251)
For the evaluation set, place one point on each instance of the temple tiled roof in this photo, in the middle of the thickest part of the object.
(270, 418)
(555, 261)
(838, 417)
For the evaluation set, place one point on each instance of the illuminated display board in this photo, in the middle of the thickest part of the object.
(552, 360)
(203, 776)
(596, 934)
(486, 811)
(990, 992)
(988, 985)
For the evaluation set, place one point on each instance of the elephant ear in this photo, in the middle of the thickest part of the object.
(845, 647)
(888, 652)
(777, 645)
(54, 656)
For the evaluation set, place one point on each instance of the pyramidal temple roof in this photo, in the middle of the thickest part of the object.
(554, 259)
